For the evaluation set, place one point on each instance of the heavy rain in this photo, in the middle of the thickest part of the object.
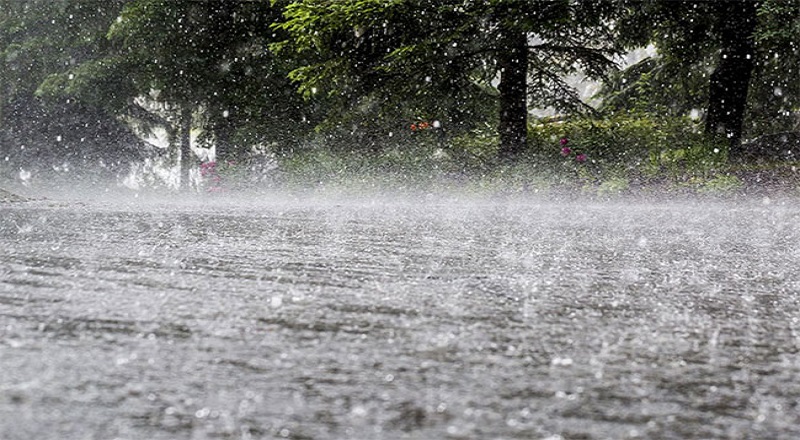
(399, 220)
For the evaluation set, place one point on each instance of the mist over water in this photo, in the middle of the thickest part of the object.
(368, 314)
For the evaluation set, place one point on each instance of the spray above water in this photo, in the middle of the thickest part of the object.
(438, 314)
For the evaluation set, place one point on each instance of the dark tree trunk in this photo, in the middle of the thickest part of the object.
(223, 130)
(5, 149)
(4, 102)
(513, 62)
(224, 19)
(730, 81)
(187, 157)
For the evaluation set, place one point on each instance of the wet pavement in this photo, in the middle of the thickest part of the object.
(399, 318)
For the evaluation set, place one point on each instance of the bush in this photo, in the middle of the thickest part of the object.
(603, 156)
(638, 147)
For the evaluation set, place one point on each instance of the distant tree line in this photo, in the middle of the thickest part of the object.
(83, 77)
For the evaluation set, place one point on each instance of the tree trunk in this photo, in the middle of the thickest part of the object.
(513, 62)
(187, 157)
(730, 81)
(4, 101)
(4, 148)
(222, 129)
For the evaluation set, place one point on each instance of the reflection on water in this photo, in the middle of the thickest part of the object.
(437, 319)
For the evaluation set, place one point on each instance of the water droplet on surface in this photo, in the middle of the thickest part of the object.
(561, 362)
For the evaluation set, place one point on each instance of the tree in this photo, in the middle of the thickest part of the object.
(730, 82)
(747, 46)
(184, 65)
(514, 51)
(774, 99)
(39, 38)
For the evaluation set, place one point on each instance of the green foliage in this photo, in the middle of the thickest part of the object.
(624, 152)
(675, 81)
(40, 38)
(477, 150)
(721, 183)
(637, 146)
(438, 59)
(353, 75)
(774, 103)
(657, 86)
(211, 57)
(687, 37)
(103, 83)
(612, 186)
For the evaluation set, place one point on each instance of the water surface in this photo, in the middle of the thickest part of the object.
(437, 317)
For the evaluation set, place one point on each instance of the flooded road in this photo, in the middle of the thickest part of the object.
(439, 318)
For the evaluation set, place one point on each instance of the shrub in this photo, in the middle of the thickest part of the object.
(635, 145)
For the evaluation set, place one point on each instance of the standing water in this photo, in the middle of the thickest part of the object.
(442, 318)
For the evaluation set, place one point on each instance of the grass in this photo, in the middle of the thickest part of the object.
(429, 169)
(624, 153)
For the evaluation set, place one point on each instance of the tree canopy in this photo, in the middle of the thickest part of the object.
(731, 61)
(247, 72)
(452, 59)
